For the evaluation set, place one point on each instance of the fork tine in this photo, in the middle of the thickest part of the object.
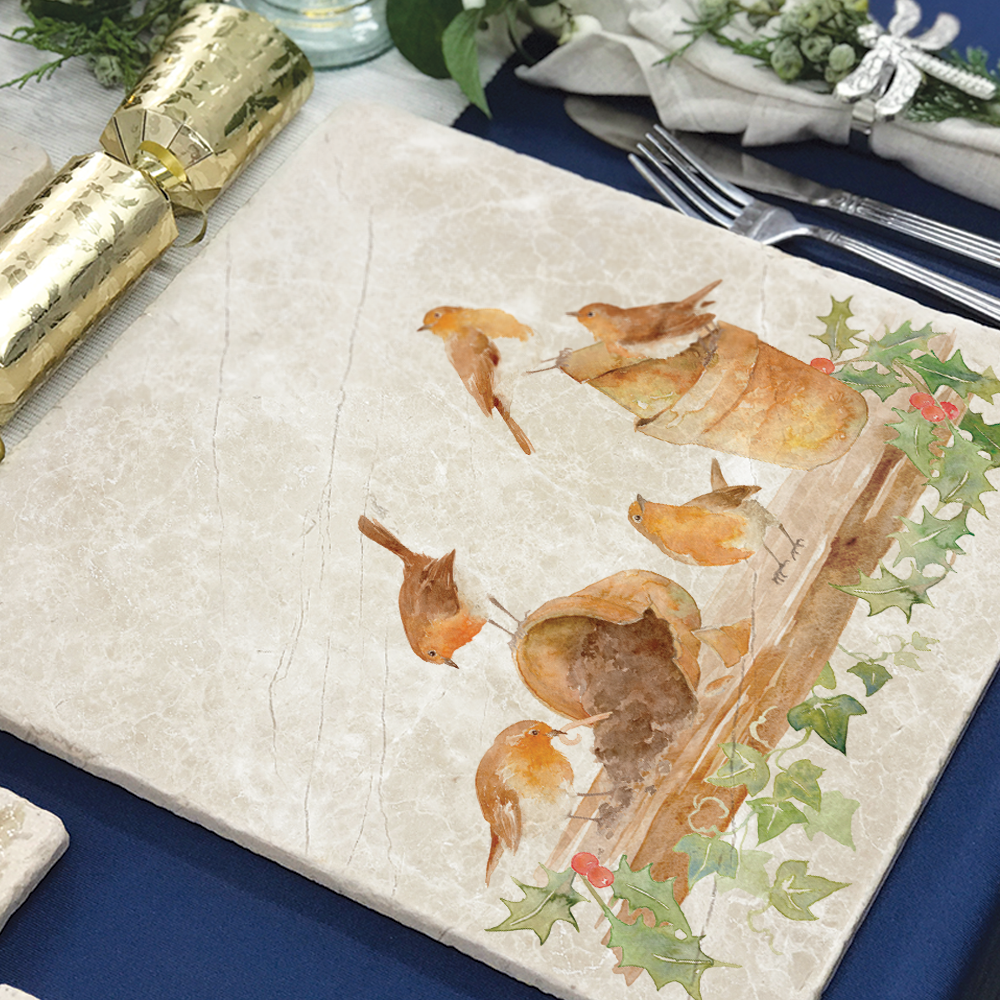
(674, 190)
(705, 184)
(738, 195)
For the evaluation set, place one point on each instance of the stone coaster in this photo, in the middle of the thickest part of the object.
(24, 168)
(31, 841)
(9, 993)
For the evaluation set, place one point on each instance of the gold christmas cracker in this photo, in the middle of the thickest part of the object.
(89, 234)
(224, 83)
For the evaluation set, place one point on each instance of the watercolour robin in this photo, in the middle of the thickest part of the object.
(720, 528)
(521, 769)
(466, 334)
(436, 619)
(622, 329)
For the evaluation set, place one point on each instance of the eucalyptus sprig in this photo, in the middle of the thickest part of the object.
(117, 38)
(440, 37)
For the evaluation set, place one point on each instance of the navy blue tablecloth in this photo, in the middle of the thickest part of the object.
(147, 905)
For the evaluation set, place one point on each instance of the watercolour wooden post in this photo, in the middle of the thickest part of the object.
(596, 591)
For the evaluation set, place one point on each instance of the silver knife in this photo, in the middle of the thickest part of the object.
(624, 129)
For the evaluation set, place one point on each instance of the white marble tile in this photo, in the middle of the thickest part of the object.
(9, 993)
(190, 610)
(31, 841)
(24, 169)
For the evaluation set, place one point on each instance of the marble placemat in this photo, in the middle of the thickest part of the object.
(189, 608)
(9, 993)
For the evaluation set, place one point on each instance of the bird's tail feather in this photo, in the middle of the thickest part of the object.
(519, 435)
(383, 536)
(496, 850)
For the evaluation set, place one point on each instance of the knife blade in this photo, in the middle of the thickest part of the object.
(625, 129)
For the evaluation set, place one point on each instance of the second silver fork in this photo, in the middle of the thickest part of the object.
(689, 186)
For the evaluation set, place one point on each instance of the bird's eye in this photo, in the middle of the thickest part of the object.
(432, 653)
(637, 518)
(591, 314)
(534, 732)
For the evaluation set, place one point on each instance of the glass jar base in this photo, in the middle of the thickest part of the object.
(331, 35)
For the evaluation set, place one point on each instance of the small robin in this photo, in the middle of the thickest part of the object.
(720, 528)
(522, 767)
(436, 619)
(466, 334)
(621, 329)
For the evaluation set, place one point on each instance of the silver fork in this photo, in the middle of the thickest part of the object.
(686, 184)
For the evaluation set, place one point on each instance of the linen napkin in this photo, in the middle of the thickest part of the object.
(713, 89)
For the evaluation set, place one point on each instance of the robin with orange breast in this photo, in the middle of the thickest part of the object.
(466, 334)
(522, 767)
(720, 528)
(623, 329)
(436, 619)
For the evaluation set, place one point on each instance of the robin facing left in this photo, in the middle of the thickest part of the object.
(522, 767)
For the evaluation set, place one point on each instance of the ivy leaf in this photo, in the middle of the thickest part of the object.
(838, 337)
(744, 766)
(956, 374)
(708, 856)
(883, 384)
(898, 345)
(922, 643)
(416, 27)
(873, 675)
(774, 816)
(833, 818)
(828, 718)
(961, 474)
(800, 781)
(640, 890)
(667, 958)
(929, 542)
(985, 436)
(914, 437)
(794, 892)
(826, 678)
(542, 906)
(891, 591)
(751, 877)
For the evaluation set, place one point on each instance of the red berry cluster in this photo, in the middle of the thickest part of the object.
(930, 409)
(592, 870)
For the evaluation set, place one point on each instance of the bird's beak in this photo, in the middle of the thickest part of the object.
(424, 327)
(641, 503)
(451, 663)
(556, 732)
(574, 314)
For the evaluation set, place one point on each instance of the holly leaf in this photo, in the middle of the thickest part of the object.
(542, 906)
(744, 766)
(640, 890)
(929, 542)
(828, 718)
(666, 957)
(708, 856)
(873, 675)
(883, 384)
(954, 373)
(985, 436)
(838, 336)
(833, 818)
(898, 345)
(794, 891)
(774, 816)
(800, 781)
(751, 877)
(891, 591)
(416, 27)
(961, 474)
(915, 436)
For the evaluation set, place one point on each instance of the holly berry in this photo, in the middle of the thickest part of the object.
(951, 409)
(825, 365)
(600, 877)
(933, 413)
(584, 863)
(921, 399)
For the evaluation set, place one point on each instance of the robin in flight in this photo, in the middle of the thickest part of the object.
(622, 329)
(466, 334)
(720, 528)
(436, 619)
(521, 768)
